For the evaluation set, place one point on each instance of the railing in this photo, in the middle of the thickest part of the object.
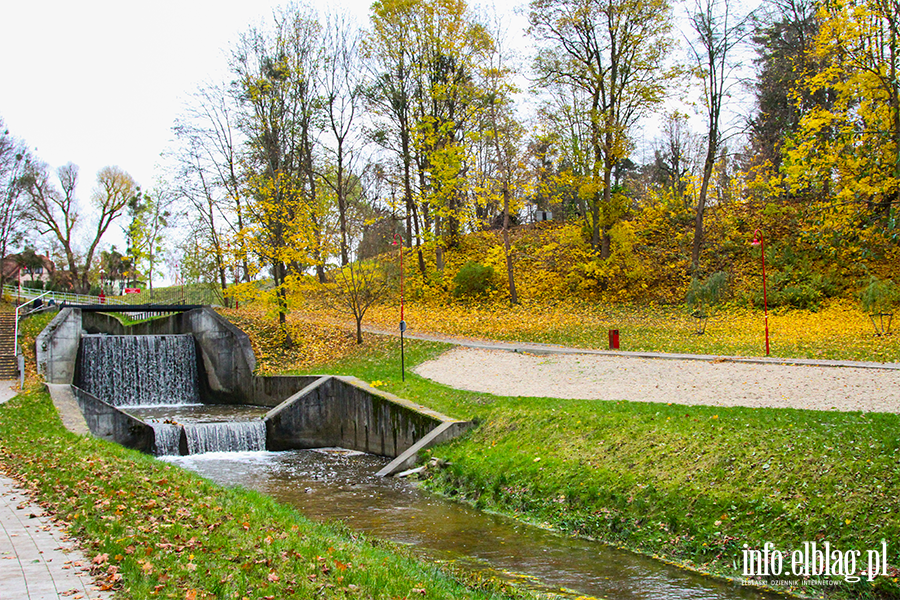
(188, 295)
(16, 329)
(28, 294)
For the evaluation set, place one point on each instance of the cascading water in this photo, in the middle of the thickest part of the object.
(142, 373)
(241, 436)
(167, 438)
(140, 370)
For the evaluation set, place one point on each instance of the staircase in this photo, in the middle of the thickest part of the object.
(8, 363)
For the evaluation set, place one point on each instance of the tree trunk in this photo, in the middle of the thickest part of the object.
(513, 296)
(701, 201)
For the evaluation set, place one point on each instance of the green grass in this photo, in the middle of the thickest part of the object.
(688, 483)
(154, 530)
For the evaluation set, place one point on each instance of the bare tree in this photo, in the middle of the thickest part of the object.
(506, 135)
(54, 210)
(343, 84)
(718, 33)
(209, 177)
(14, 159)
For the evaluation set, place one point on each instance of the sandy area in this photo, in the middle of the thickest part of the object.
(657, 380)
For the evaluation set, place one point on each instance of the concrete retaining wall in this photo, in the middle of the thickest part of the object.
(109, 423)
(57, 347)
(347, 412)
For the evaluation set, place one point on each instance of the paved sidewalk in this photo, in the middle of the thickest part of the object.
(8, 390)
(38, 561)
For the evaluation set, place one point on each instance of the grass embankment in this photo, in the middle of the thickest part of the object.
(690, 484)
(154, 530)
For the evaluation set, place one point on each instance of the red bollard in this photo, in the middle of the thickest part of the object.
(613, 339)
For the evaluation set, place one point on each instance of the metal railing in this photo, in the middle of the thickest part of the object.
(28, 294)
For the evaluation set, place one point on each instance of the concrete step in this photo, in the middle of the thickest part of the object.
(9, 367)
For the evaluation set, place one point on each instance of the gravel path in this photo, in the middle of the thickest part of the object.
(655, 380)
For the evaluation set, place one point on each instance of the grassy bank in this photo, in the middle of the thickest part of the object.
(690, 484)
(154, 530)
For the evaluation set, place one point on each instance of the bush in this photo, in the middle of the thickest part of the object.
(879, 296)
(473, 280)
(33, 285)
(704, 295)
(796, 288)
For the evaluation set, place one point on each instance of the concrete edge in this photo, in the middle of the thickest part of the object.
(356, 382)
(522, 347)
(67, 406)
(294, 397)
(444, 431)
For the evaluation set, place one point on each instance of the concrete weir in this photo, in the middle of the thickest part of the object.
(305, 411)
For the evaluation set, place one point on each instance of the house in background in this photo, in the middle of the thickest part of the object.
(25, 267)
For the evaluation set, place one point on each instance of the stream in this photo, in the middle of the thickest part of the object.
(334, 484)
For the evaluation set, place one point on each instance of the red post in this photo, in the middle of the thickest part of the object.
(613, 339)
(398, 241)
(759, 241)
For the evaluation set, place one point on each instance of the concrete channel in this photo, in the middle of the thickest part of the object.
(305, 411)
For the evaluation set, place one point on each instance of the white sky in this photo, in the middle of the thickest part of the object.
(100, 83)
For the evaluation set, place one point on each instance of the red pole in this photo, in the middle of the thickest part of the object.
(399, 241)
(758, 240)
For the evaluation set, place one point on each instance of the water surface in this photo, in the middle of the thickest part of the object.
(342, 485)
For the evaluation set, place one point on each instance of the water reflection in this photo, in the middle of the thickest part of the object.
(341, 485)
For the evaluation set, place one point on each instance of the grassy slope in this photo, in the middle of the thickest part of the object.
(159, 531)
(691, 484)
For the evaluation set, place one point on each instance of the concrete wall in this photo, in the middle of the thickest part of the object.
(225, 356)
(347, 412)
(57, 347)
(109, 423)
(309, 411)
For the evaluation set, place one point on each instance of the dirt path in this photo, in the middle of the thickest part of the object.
(715, 383)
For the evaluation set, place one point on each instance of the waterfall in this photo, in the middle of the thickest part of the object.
(140, 370)
(234, 436)
(167, 438)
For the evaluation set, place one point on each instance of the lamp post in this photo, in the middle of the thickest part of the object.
(758, 241)
(398, 241)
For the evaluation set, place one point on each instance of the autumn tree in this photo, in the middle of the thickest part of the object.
(718, 32)
(391, 57)
(847, 153)
(424, 56)
(276, 73)
(609, 56)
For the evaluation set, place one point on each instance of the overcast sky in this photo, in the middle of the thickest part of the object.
(100, 83)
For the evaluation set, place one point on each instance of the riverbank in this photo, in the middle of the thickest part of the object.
(689, 484)
(153, 530)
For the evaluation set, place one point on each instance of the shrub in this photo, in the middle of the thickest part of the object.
(879, 296)
(473, 280)
(704, 294)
